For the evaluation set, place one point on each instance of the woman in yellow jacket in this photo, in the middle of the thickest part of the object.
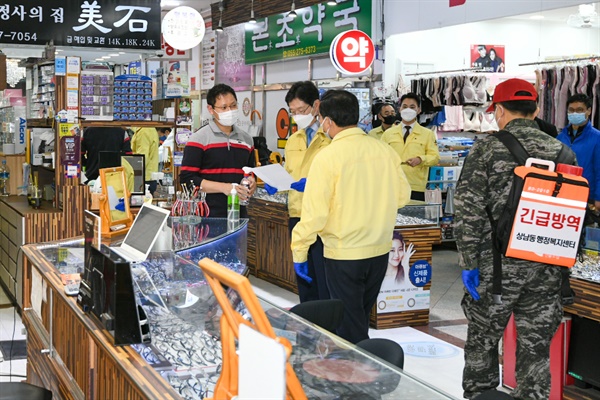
(145, 141)
(300, 150)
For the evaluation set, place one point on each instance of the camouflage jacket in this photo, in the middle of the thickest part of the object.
(485, 180)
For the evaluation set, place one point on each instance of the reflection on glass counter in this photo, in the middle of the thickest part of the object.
(418, 214)
(587, 267)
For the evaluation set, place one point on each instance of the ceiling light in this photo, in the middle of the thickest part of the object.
(536, 17)
(114, 55)
(332, 3)
(292, 12)
(106, 57)
(252, 19)
(99, 59)
(121, 52)
(220, 26)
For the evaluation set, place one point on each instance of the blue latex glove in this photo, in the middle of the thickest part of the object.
(302, 271)
(270, 189)
(471, 281)
(299, 186)
(121, 205)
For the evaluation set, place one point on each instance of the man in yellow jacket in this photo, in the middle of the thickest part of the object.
(145, 141)
(416, 145)
(387, 116)
(300, 150)
(353, 191)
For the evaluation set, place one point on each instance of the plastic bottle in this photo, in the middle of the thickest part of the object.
(148, 195)
(233, 206)
(246, 183)
(4, 179)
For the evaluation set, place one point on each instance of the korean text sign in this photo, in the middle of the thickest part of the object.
(281, 37)
(88, 23)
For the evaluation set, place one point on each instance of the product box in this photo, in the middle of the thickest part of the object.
(449, 175)
(592, 238)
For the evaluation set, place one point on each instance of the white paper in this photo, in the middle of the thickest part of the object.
(261, 367)
(36, 292)
(274, 175)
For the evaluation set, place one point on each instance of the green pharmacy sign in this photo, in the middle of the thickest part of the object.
(281, 37)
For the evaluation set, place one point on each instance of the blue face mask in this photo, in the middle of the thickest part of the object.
(577, 118)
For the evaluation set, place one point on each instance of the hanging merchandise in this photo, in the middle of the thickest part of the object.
(255, 129)
(564, 79)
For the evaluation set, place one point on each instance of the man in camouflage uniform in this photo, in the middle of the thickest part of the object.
(530, 290)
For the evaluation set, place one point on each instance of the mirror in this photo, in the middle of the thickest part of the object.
(116, 217)
(135, 171)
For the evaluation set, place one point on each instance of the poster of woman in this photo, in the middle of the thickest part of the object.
(401, 289)
(488, 57)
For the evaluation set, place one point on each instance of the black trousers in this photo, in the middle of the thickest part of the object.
(357, 284)
(317, 289)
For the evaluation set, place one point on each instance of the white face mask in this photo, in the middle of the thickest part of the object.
(408, 114)
(327, 131)
(303, 121)
(228, 118)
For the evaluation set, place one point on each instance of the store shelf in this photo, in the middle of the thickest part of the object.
(150, 124)
(39, 122)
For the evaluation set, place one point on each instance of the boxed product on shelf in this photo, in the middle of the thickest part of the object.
(97, 95)
(133, 98)
(447, 175)
(592, 238)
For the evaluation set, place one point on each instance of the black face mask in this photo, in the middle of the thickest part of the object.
(389, 120)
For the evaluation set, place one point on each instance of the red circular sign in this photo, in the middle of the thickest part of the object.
(352, 52)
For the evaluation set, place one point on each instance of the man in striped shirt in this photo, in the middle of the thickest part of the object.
(215, 154)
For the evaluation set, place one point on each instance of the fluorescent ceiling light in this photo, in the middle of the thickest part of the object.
(114, 55)
(106, 57)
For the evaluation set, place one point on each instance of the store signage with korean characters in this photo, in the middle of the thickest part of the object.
(352, 52)
(281, 37)
(89, 23)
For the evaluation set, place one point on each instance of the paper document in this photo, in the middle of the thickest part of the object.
(273, 175)
(261, 367)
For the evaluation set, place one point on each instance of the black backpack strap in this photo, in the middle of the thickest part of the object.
(520, 155)
(513, 145)
(568, 295)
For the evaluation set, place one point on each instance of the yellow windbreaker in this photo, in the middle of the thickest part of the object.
(377, 133)
(421, 143)
(145, 141)
(298, 159)
(353, 191)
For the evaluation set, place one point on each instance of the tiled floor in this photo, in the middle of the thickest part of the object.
(433, 353)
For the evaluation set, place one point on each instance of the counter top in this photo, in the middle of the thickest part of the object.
(20, 205)
(186, 351)
(279, 197)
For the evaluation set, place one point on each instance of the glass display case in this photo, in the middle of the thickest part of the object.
(417, 214)
(184, 315)
(279, 197)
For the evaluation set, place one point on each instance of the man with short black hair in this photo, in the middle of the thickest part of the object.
(353, 191)
(416, 145)
(531, 291)
(387, 116)
(215, 154)
(483, 61)
(584, 140)
(300, 151)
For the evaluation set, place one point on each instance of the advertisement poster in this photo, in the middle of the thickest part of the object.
(403, 286)
(488, 57)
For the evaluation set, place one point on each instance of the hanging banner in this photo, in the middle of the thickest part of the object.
(89, 23)
(282, 36)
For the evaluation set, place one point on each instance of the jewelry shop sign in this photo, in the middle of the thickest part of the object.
(88, 23)
(281, 37)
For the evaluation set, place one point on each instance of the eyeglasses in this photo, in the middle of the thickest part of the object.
(233, 106)
(298, 112)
